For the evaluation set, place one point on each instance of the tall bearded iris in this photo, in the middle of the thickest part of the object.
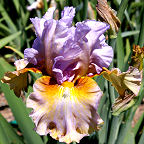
(65, 98)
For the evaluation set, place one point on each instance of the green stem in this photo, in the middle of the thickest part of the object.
(45, 5)
(141, 35)
(111, 88)
(122, 8)
(141, 138)
(85, 6)
(116, 122)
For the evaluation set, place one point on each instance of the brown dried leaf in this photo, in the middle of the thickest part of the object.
(107, 14)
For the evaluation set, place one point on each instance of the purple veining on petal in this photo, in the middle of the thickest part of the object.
(49, 14)
(38, 25)
(47, 38)
(101, 55)
(73, 57)
(64, 69)
(67, 16)
(35, 54)
(31, 54)
(39, 22)
(97, 29)
(81, 31)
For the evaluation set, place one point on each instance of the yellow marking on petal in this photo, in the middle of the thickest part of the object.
(68, 84)
(66, 112)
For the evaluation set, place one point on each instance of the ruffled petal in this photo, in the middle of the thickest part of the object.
(21, 64)
(66, 112)
(97, 29)
(35, 55)
(49, 14)
(47, 38)
(72, 62)
(67, 16)
(65, 70)
(58, 43)
(39, 22)
(101, 56)
(100, 53)
(127, 85)
(17, 80)
(81, 31)
(31, 54)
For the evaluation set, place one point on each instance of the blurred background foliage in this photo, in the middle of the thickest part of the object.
(17, 33)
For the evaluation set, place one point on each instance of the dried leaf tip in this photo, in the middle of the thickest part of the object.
(108, 15)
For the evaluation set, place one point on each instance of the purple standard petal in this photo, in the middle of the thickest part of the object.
(49, 14)
(64, 70)
(67, 16)
(47, 38)
(35, 54)
(62, 34)
(39, 22)
(81, 31)
(69, 52)
(97, 29)
(72, 62)
(101, 56)
(31, 55)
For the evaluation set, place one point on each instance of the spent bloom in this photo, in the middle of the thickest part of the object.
(127, 84)
(36, 5)
(65, 99)
(137, 57)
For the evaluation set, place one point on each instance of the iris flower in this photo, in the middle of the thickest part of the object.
(65, 99)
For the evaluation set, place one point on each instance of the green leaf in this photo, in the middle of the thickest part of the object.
(104, 114)
(114, 129)
(130, 138)
(17, 5)
(141, 35)
(136, 128)
(9, 38)
(9, 133)
(120, 51)
(45, 5)
(85, 6)
(4, 28)
(3, 136)
(122, 7)
(141, 138)
(19, 110)
(128, 51)
(129, 33)
(7, 19)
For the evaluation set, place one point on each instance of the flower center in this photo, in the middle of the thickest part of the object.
(68, 84)
(67, 88)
